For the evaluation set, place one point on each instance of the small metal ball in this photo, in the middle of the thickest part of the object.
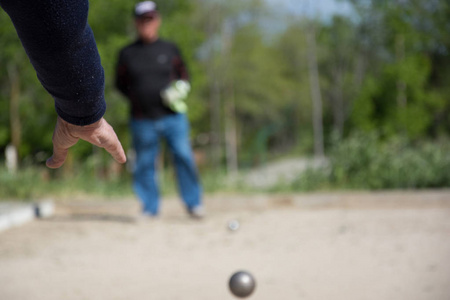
(233, 225)
(242, 284)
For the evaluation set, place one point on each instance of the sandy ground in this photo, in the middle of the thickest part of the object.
(358, 246)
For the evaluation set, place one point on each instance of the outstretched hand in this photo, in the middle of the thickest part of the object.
(100, 134)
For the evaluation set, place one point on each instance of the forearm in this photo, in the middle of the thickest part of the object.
(62, 49)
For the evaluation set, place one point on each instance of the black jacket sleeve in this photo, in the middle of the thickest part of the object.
(61, 46)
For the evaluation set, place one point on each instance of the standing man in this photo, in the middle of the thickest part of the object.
(152, 75)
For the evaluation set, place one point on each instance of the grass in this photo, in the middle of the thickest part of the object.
(38, 182)
(360, 162)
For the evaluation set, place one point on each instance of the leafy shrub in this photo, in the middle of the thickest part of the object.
(366, 161)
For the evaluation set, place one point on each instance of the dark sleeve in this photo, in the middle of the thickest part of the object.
(61, 46)
(122, 78)
(179, 66)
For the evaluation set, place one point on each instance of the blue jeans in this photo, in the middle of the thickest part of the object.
(146, 135)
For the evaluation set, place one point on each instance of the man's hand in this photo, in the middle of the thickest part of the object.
(100, 134)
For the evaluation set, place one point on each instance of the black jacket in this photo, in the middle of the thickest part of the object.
(143, 71)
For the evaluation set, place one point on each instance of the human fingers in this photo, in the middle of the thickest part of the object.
(110, 142)
(62, 140)
(57, 159)
(104, 136)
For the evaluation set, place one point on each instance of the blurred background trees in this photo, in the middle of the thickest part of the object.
(259, 71)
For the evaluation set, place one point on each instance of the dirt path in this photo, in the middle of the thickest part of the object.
(389, 246)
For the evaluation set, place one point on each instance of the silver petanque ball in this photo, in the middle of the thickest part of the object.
(242, 284)
(233, 225)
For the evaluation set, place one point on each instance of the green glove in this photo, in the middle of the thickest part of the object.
(175, 94)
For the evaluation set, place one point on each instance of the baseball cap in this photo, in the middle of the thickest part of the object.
(145, 9)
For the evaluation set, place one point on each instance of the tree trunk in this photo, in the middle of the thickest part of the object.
(215, 121)
(401, 85)
(14, 115)
(338, 101)
(315, 93)
(231, 134)
(358, 73)
(230, 113)
(215, 131)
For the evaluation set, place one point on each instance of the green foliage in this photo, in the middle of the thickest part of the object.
(378, 104)
(366, 161)
(384, 77)
(399, 93)
(37, 182)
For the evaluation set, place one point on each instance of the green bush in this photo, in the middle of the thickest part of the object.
(366, 161)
